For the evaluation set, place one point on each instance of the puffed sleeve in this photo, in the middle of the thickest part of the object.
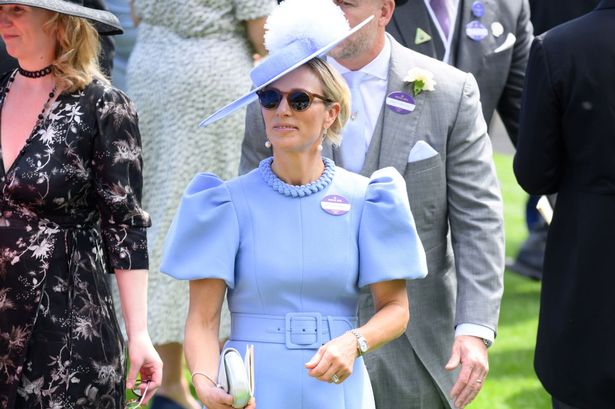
(204, 237)
(118, 181)
(389, 245)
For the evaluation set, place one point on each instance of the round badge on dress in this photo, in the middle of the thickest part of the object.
(476, 30)
(400, 102)
(478, 9)
(335, 205)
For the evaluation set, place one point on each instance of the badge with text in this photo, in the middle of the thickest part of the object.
(478, 9)
(335, 205)
(476, 30)
(400, 102)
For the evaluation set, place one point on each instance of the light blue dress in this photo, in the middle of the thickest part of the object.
(294, 271)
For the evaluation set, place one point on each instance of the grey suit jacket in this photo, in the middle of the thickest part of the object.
(454, 197)
(500, 75)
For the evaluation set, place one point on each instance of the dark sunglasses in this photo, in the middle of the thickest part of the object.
(298, 99)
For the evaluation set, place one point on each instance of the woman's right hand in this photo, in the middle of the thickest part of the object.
(216, 398)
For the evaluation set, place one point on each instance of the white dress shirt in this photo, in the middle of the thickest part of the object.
(373, 90)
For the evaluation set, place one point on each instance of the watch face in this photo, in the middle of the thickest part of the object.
(363, 345)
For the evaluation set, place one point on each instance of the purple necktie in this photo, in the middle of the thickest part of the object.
(441, 9)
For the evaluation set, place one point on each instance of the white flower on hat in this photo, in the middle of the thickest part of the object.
(421, 80)
(320, 21)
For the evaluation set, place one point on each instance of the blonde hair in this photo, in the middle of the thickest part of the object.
(76, 54)
(335, 89)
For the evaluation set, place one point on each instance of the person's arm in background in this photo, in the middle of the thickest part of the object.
(509, 104)
(136, 19)
(540, 149)
(255, 30)
(477, 234)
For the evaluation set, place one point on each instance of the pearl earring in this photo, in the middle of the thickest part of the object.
(267, 144)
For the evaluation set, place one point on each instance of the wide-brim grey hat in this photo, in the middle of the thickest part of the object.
(105, 22)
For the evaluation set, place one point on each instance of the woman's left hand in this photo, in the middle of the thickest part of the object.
(144, 360)
(336, 357)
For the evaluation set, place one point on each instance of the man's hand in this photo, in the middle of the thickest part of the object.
(471, 353)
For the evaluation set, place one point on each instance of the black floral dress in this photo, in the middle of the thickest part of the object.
(69, 213)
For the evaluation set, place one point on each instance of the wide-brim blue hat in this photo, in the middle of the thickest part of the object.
(292, 49)
(104, 22)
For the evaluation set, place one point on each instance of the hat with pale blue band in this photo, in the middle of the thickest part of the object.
(291, 55)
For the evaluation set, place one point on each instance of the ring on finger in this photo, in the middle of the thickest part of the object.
(479, 381)
(335, 379)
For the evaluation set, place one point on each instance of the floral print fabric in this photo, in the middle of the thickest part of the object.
(69, 212)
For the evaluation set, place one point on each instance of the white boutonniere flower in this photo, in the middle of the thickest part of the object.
(421, 80)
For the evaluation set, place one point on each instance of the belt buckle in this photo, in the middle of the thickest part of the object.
(290, 317)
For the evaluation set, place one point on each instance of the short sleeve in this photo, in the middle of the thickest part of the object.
(118, 180)
(253, 9)
(204, 237)
(389, 245)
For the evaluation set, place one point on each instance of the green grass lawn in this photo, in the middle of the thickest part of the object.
(512, 383)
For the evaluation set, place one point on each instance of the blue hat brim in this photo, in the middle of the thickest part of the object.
(251, 96)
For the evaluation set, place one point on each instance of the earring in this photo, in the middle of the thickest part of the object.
(267, 144)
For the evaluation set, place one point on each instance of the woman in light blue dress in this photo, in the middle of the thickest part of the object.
(294, 242)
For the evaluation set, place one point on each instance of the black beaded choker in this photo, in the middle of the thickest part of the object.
(35, 74)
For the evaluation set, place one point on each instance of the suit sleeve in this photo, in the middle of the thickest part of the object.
(475, 214)
(509, 104)
(538, 160)
(253, 148)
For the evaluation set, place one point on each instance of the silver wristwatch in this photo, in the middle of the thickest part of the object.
(362, 345)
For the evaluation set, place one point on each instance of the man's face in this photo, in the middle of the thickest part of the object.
(363, 40)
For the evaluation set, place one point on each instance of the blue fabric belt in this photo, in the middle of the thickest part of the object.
(297, 330)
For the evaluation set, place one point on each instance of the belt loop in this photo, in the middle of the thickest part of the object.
(330, 324)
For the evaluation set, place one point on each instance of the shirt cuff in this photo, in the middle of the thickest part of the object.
(476, 330)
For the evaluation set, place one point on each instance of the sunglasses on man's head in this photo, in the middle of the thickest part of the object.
(298, 99)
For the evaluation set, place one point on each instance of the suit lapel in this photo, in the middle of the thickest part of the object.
(398, 131)
(412, 16)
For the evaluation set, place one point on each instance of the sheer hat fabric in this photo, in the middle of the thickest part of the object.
(105, 22)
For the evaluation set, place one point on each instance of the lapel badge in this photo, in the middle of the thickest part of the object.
(476, 30)
(497, 29)
(421, 37)
(478, 9)
(400, 102)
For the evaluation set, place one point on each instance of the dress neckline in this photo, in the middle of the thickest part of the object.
(41, 123)
(289, 190)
